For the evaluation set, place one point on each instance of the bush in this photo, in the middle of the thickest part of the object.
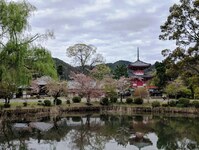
(68, 102)
(39, 102)
(104, 101)
(58, 101)
(76, 119)
(6, 105)
(47, 103)
(113, 99)
(138, 101)
(172, 103)
(129, 100)
(25, 104)
(179, 105)
(184, 102)
(156, 104)
(76, 99)
(195, 104)
(165, 105)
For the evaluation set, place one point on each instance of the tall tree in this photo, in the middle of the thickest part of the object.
(182, 26)
(120, 71)
(87, 86)
(16, 44)
(160, 78)
(100, 71)
(84, 55)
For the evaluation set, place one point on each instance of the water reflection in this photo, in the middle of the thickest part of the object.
(99, 132)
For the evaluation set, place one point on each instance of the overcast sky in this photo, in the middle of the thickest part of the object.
(115, 27)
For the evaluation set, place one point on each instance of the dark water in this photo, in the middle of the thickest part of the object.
(101, 132)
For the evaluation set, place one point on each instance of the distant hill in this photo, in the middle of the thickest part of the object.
(112, 66)
(67, 68)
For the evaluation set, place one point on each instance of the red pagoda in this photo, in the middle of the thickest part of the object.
(136, 72)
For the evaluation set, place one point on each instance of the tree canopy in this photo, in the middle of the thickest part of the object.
(84, 55)
(20, 58)
(182, 26)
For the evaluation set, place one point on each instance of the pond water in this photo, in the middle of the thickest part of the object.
(101, 132)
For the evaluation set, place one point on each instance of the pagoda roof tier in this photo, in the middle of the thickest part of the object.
(139, 65)
(145, 76)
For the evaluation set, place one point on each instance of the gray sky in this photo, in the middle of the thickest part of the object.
(115, 27)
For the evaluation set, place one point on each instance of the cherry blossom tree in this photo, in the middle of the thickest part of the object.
(56, 89)
(86, 86)
(122, 85)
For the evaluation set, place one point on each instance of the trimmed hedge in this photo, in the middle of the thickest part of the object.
(47, 103)
(138, 101)
(113, 99)
(172, 103)
(155, 104)
(25, 104)
(183, 102)
(58, 101)
(195, 104)
(104, 101)
(129, 100)
(76, 99)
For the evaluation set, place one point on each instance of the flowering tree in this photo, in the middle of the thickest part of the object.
(109, 86)
(56, 89)
(87, 86)
(122, 86)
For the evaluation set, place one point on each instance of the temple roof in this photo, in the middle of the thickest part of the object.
(138, 63)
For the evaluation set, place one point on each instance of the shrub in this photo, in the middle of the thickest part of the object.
(25, 104)
(184, 102)
(76, 119)
(129, 100)
(113, 99)
(138, 100)
(58, 101)
(172, 103)
(156, 104)
(180, 105)
(104, 101)
(68, 101)
(6, 105)
(195, 104)
(76, 99)
(47, 103)
(39, 102)
(165, 105)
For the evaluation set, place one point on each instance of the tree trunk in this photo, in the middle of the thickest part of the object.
(121, 97)
(88, 99)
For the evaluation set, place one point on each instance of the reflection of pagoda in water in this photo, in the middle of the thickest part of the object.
(136, 72)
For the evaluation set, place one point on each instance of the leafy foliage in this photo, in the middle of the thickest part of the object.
(100, 71)
(129, 100)
(76, 99)
(19, 60)
(155, 104)
(104, 101)
(182, 26)
(120, 71)
(138, 100)
(47, 103)
(84, 55)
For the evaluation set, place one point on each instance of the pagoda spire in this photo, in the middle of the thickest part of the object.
(138, 57)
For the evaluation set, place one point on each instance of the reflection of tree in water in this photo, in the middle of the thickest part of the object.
(7, 137)
(176, 133)
(88, 135)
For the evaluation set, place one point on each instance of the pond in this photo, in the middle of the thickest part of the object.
(101, 132)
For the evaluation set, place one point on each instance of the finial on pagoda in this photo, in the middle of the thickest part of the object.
(138, 53)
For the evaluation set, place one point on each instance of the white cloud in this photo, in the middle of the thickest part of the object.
(115, 27)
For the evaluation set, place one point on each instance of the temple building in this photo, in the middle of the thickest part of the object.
(136, 73)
